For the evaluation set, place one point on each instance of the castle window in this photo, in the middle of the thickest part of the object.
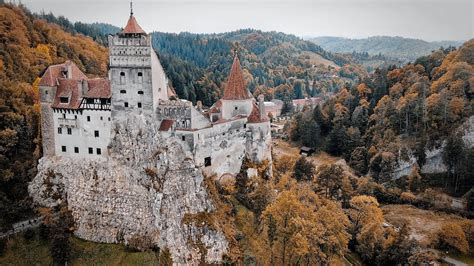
(125, 104)
(63, 148)
(91, 150)
(183, 138)
(101, 118)
(235, 108)
(75, 117)
(207, 161)
(139, 105)
(245, 125)
(140, 92)
(96, 133)
(64, 115)
(140, 77)
(123, 91)
(88, 118)
(122, 77)
(76, 149)
(64, 99)
(60, 130)
(69, 131)
(46, 92)
(99, 152)
(108, 118)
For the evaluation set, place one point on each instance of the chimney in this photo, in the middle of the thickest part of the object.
(69, 71)
(85, 87)
(261, 106)
(199, 105)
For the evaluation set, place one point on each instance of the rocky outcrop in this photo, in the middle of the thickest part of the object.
(138, 195)
(434, 160)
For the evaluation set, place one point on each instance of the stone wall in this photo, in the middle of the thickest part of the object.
(141, 191)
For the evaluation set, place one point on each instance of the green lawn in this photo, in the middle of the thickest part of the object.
(35, 251)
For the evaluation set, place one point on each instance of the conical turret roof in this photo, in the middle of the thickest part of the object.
(236, 88)
(132, 26)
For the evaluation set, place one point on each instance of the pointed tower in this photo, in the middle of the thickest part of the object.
(137, 78)
(237, 98)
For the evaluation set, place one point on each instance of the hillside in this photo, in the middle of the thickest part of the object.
(405, 49)
(28, 45)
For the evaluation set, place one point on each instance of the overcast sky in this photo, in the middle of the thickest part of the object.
(424, 19)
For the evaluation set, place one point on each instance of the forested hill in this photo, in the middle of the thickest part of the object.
(27, 46)
(395, 47)
(198, 64)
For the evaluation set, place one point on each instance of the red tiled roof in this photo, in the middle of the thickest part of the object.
(68, 88)
(216, 107)
(132, 26)
(166, 124)
(53, 73)
(254, 116)
(98, 88)
(236, 88)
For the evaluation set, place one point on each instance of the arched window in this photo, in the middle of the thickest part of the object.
(140, 77)
(122, 77)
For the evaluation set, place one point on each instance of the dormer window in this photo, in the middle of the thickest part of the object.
(64, 99)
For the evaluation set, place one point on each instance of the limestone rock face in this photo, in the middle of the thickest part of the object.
(140, 193)
(434, 158)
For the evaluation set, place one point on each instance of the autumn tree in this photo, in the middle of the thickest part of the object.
(303, 169)
(329, 179)
(451, 236)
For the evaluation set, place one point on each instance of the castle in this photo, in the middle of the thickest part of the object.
(79, 114)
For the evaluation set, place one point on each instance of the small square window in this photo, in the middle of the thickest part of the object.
(125, 104)
(69, 131)
(108, 118)
(60, 130)
(75, 117)
(140, 92)
(64, 99)
(245, 125)
(76, 149)
(88, 118)
(91, 150)
(183, 138)
(207, 161)
(123, 91)
(99, 152)
(101, 118)
(46, 92)
(235, 108)
(139, 105)
(96, 133)
(64, 115)
(63, 148)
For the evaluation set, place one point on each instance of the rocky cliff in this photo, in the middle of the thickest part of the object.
(139, 195)
(434, 160)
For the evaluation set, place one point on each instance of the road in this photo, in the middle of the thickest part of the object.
(23, 226)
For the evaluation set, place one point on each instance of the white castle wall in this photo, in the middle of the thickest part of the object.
(231, 108)
(83, 133)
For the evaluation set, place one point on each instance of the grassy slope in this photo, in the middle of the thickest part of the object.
(35, 251)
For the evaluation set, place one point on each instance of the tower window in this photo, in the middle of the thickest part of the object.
(64, 99)
(46, 92)
(76, 149)
(139, 105)
(60, 130)
(140, 74)
(140, 77)
(63, 148)
(123, 91)
(64, 115)
(140, 92)
(91, 150)
(96, 133)
(235, 108)
(183, 138)
(99, 152)
(101, 118)
(125, 104)
(88, 118)
(122, 77)
(69, 131)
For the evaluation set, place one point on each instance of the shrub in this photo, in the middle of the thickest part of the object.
(451, 236)
(407, 197)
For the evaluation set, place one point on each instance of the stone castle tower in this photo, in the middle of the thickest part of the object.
(137, 78)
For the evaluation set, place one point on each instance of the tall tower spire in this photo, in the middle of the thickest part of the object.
(131, 8)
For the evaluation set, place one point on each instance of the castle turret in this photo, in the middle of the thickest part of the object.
(137, 78)
(237, 98)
